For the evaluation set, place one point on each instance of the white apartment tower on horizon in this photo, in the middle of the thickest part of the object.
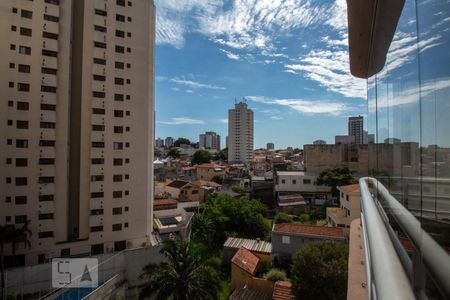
(240, 133)
(76, 117)
(356, 128)
(169, 141)
(209, 140)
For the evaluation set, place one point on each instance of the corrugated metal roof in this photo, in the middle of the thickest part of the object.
(252, 245)
(244, 293)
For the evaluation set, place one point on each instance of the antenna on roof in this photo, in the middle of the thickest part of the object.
(235, 100)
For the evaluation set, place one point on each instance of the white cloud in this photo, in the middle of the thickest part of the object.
(225, 121)
(175, 89)
(230, 54)
(195, 85)
(182, 121)
(189, 91)
(304, 106)
(160, 78)
(276, 118)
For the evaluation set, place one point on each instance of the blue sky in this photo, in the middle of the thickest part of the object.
(288, 58)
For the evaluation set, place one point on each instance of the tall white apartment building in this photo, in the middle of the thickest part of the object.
(159, 143)
(356, 128)
(209, 140)
(169, 141)
(76, 124)
(240, 133)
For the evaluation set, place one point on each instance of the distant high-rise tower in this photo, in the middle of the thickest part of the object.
(356, 128)
(240, 133)
(77, 115)
(169, 141)
(270, 146)
(209, 140)
(159, 143)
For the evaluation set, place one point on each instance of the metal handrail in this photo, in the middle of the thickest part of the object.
(381, 246)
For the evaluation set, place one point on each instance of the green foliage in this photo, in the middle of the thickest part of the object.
(305, 219)
(217, 179)
(201, 157)
(156, 152)
(182, 276)
(336, 177)
(223, 154)
(319, 270)
(238, 189)
(275, 275)
(222, 215)
(174, 152)
(181, 141)
(282, 218)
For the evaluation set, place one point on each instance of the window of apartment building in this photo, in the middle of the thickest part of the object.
(97, 248)
(46, 161)
(99, 45)
(65, 252)
(120, 49)
(20, 219)
(98, 111)
(283, 181)
(10, 103)
(50, 53)
(97, 195)
(120, 2)
(14, 10)
(117, 178)
(306, 181)
(46, 143)
(8, 161)
(24, 68)
(8, 199)
(97, 178)
(120, 18)
(25, 50)
(128, 49)
(97, 212)
(48, 89)
(98, 144)
(20, 200)
(117, 145)
(100, 12)
(128, 34)
(119, 65)
(127, 160)
(98, 127)
(12, 47)
(21, 143)
(96, 228)
(118, 81)
(120, 245)
(13, 28)
(45, 198)
(98, 161)
(21, 124)
(54, 2)
(117, 210)
(294, 181)
(45, 234)
(26, 14)
(25, 31)
(19, 181)
(118, 113)
(8, 179)
(118, 129)
(120, 33)
(117, 194)
(129, 19)
(51, 18)
(98, 94)
(46, 179)
(99, 28)
(45, 216)
(23, 87)
(11, 84)
(128, 65)
(46, 106)
(127, 128)
(128, 81)
(117, 161)
(99, 61)
(7, 219)
(116, 227)
(22, 105)
(118, 97)
(21, 162)
(12, 65)
(49, 35)
(48, 125)
(99, 77)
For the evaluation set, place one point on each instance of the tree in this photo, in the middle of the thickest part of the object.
(319, 271)
(336, 177)
(19, 235)
(181, 141)
(183, 276)
(282, 218)
(217, 179)
(201, 157)
(223, 154)
(5, 237)
(156, 152)
(174, 152)
(275, 275)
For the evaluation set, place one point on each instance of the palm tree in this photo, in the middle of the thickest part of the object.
(20, 235)
(5, 237)
(181, 277)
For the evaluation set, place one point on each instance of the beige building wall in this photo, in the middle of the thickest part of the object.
(77, 123)
(240, 134)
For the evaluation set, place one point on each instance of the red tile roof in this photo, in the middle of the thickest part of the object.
(246, 260)
(200, 183)
(158, 202)
(282, 291)
(309, 230)
(349, 189)
(210, 166)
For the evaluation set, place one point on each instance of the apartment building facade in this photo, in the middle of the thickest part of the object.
(209, 140)
(356, 128)
(240, 133)
(77, 124)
